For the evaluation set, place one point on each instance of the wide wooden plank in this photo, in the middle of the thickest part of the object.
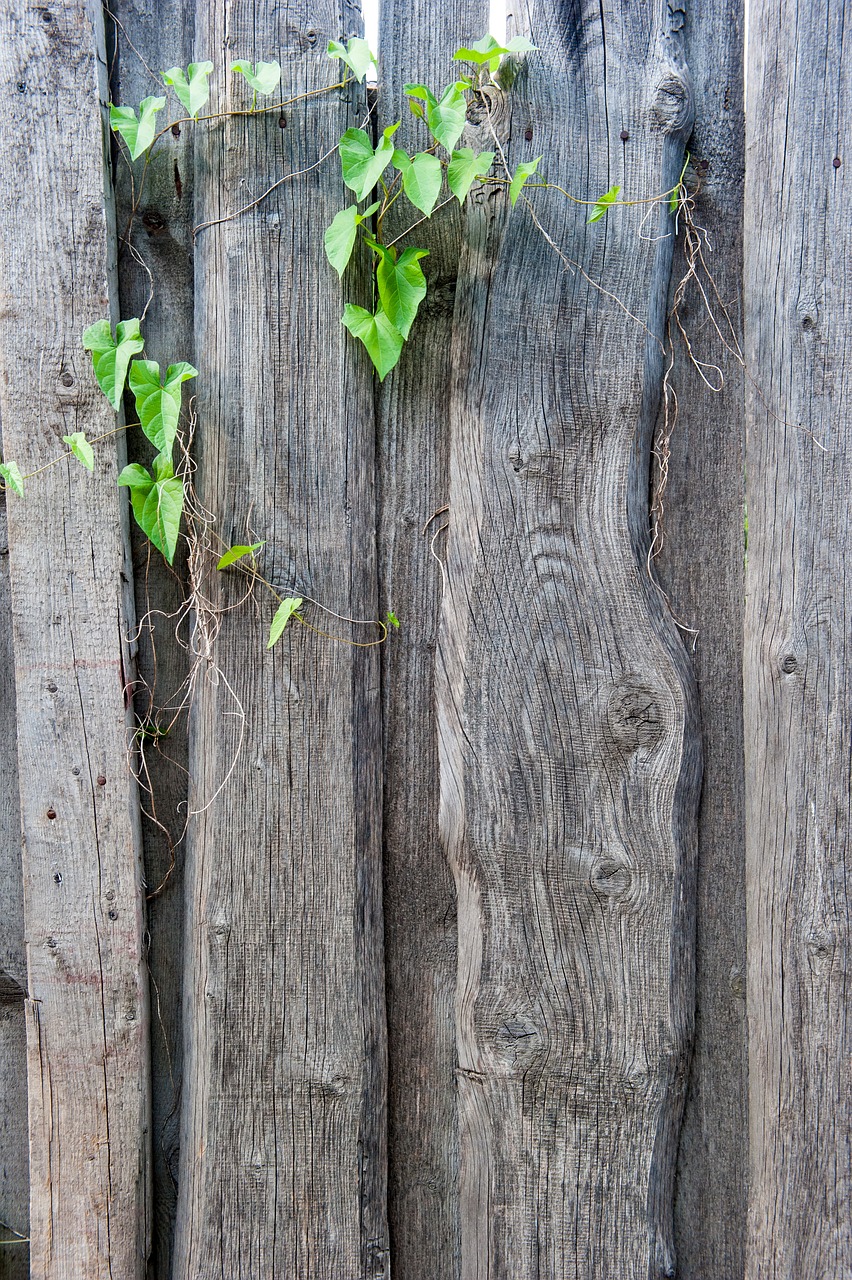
(283, 1166)
(569, 750)
(417, 42)
(700, 565)
(87, 988)
(797, 670)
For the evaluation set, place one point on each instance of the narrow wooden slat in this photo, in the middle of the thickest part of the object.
(797, 666)
(87, 989)
(569, 750)
(283, 1166)
(417, 42)
(701, 568)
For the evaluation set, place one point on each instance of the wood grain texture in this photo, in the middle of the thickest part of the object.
(161, 233)
(569, 750)
(87, 990)
(798, 244)
(417, 42)
(701, 568)
(283, 1164)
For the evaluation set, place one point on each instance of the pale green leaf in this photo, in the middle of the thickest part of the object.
(111, 356)
(139, 132)
(339, 239)
(465, 168)
(522, 173)
(446, 119)
(191, 86)
(237, 552)
(488, 50)
(421, 178)
(382, 340)
(158, 401)
(401, 284)
(264, 77)
(361, 165)
(81, 449)
(422, 92)
(11, 474)
(393, 619)
(157, 503)
(283, 614)
(603, 206)
(357, 55)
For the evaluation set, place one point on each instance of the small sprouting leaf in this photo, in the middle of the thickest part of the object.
(11, 474)
(446, 119)
(157, 502)
(237, 552)
(674, 199)
(393, 619)
(419, 91)
(488, 50)
(603, 205)
(523, 171)
(382, 340)
(137, 133)
(158, 402)
(81, 449)
(283, 614)
(111, 356)
(191, 87)
(465, 168)
(357, 55)
(264, 77)
(421, 178)
(402, 285)
(361, 165)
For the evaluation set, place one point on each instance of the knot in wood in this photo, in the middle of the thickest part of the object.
(672, 109)
(612, 877)
(634, 716)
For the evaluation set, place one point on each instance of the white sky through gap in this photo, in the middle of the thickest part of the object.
(496, 24)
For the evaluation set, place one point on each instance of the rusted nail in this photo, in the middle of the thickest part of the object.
(113, 915)
(624, 135)
(282, 122)
(51, 687)
(51, 813)
(837, 162)
(101, 780)
(528, 133)
(175, 130)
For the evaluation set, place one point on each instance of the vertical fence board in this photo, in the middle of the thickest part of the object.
(282, 1160)
(569, 752)
(701, 568)
(797, 664)
(417, 43)
(87, 993)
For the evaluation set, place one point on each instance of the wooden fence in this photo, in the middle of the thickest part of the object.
(433, 958)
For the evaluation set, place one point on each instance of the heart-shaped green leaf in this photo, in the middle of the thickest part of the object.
(522, 173)
(283, 614)
(158, 402)
(111, 356)
(356, 55)
(603, 206)
(264, 77)
(137, 133)
(446, 119)
(488, 50)
(157, 503)
(81, 449)
(237, 552)
(401, 283)
(11, 474)
(191, 87)
(421, 178)
(382, 340)
(465, 168)
(361, 165)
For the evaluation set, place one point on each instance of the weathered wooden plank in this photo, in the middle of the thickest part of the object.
(569, 750)
(798, 242)
(417, 42)
(87, 990)
(701, 568)
(283, 1166)
(161, 234)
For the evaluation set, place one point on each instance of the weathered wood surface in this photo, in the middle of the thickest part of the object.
(87, 989)
(798, 245)
(283, 1163)
(701, 568)
(417, 42)
(569, 750)
(161, 234)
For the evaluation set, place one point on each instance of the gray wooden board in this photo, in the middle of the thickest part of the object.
(798, 244)
(283, 1164)
(416, 45)
(87, 991)
(148, 42)
(701, 568)
(569, 746)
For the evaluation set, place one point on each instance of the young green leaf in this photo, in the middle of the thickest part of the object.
(11, 474)
(237, 552)
(357, 55)
(382, 340)
(191, 87)
(421, 178)
(157, 502)
(393, 619)
(488, 50)
(402, 285)
(283, 614)
(674, 199)
(361, 165)
(137, 133)
(81, 449)
(158, 402)
(446, 119)
(111, 356)
(263, 78)
(521, 174)
(465, 168)
(603, 205)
